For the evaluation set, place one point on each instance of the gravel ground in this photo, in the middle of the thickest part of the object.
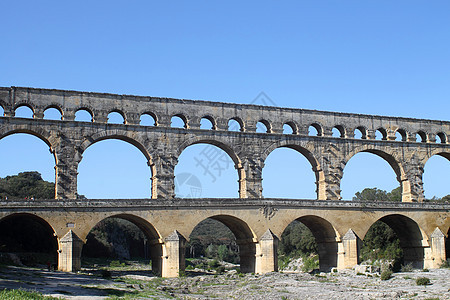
(140, 285)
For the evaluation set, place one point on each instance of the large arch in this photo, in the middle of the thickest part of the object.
(325, 236)
(245, 239)
(411, 238)
(434, 183)
(118, 136)
(213, 159)
(395, 165)
(25, 235)
(153, 237)
(308, 154)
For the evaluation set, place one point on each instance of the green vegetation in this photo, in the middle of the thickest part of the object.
(386, 274)
(26, 185)
(423, 281)
(22, 295)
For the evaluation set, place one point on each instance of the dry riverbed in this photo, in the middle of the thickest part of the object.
(138, 284)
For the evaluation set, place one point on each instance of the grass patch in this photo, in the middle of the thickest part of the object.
(22, 295)
(423, 281)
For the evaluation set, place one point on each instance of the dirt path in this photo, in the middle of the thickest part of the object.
(341, 285)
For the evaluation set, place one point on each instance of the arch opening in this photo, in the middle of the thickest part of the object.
(24, 111)
(441, 138)
(116, 168)
(395, 238)
(289, 128)
(421, 137)
(371, 169)
(235, 124)
(178, 121)
(116, 117)
(221, 238)
(30, 238)
(29, 167)
(284, 175)
(381, 134)
(360, 133)
(401, 135)
(207, 169)
(52, 113)
(83, 115)
(315, 130)
(314, 240)
(263, 126)
(447, 246)
(435, 185)
(2, 111)
(338, 131)
(125, 238)
(207, 123)
(147, 119)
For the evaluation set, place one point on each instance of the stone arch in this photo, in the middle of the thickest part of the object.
(363, 131)
(87, 109)
(391, 159)
(151, 233)
(123, 136)
(326, 237)
(2, 109)
(341, 130)
(245, 238)
(318, 127)
(266, 124)
(183, 117)
(239, 121)
(26, 104)
(443, 137)
(293, 125)
(33, 233)
(403, 134)
(309, 155)
(150, 114)
(212, 120)
(383, 133)
(57, 107)
(411, 237)
(423, 136)
(120, 112)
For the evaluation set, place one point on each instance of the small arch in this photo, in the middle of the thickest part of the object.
(315, 130)
(421, 137)
(178, 121)
(381, 134)
(53, 113)
(401, 135)
(441, 138)
(2, 110)
(235, 124)
(360, 133)
(25, 233)
(263, 126)
(84, 115)
(24, 111)
(116, 117)
(208, 123)
(338, 131)
(289, 128)
(148, 119)
(141, 233)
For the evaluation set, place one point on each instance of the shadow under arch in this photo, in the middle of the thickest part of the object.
(317, 169)
(153, 242)
(325, 236)
(122, 136)
(395, 165)
(24, 233)
(410, 236)
(245, 239)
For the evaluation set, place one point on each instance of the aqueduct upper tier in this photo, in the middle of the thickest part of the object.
(405, 143)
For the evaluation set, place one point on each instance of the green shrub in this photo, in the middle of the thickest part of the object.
(407, 268)
(310, 263)
(425, 270)
(422, 281)
(116, 264)
(385, 275)
(445, 264)
(213, 263)
(220, 269)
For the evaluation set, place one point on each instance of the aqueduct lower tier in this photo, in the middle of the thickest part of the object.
(338, 227)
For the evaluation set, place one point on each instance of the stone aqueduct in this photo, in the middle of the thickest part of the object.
(338, 226)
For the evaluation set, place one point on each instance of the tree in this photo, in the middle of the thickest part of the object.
(374, 194)
(26, 184)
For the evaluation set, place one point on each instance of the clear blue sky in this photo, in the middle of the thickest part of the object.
(375, 57)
